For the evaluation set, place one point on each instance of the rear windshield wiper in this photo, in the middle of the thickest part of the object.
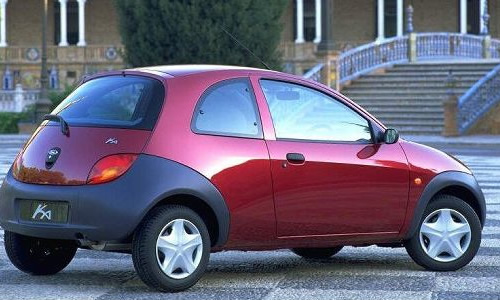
(57, 118)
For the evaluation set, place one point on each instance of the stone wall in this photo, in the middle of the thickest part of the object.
(24, 19)
(489, 124)
(435, 16)
(102, 23)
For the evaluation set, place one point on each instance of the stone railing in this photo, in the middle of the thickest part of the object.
(444, 45)
(413, 47)
(495, 48)
(18, 99)
(369, 57)
(56, 54)
(478, 100)
(315, 73)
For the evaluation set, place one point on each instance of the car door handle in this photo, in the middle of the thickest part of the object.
(295, 158)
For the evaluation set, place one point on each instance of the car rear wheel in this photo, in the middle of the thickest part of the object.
(38, 256)
(317, 253)
(171, 248)
(448, 236)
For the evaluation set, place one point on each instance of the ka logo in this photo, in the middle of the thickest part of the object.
(40, 210)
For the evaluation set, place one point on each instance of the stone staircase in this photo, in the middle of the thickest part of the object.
(409, 97)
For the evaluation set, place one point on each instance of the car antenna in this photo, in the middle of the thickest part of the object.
(244, 47)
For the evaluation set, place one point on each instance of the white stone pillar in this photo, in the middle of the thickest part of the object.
(300, 21)
(317, 7)
(18, 98)
(3, 23)
(399, 20)
(81, 23)
(64, 22)
(483, 9)
(380, 20)
(463, 16)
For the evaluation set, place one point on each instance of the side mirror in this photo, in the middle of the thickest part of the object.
(391, 136)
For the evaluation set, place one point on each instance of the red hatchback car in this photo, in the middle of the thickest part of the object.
(172, 163)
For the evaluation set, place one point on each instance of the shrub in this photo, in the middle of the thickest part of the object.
(158, 32)
(57, 97)
(9, 120)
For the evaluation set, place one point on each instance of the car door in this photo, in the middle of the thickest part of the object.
(329, 177)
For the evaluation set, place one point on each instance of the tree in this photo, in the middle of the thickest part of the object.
(157, 32)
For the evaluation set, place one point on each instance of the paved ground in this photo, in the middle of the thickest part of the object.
(355, 273)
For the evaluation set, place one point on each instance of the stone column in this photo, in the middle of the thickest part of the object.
(399, 20)
(380, 21)
(317, 6)
(450, 107)
(81, 23)
(300, 21)
(3, 23)
(64, 32)
(326, 48)
(484, 17)
(463, 16)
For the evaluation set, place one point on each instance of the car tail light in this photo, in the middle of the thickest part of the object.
(110, 167)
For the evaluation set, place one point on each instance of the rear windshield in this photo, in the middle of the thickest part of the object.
(114, 101)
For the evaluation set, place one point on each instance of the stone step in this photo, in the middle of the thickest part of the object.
(464, 66)
(400, 105)
(434, 111)
(408, 116)
(398, 97)
(409, 85)
(393, 79)
(411, 122)
(417, 129)
(439, 69)
(442, 73)
(434, 91)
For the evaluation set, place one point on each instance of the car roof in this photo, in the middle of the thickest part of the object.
(183, 70)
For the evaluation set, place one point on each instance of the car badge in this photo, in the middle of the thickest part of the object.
(112, 141)
(40, 210)
(51, 157)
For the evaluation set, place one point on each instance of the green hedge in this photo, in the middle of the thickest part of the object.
(58, 96)
(9, 120)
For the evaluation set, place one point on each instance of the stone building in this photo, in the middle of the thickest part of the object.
(347, 44)
(314, 26)
(82, 37)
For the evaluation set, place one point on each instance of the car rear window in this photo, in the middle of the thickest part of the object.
(114, 101)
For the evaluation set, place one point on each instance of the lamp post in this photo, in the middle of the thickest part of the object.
(43, 104)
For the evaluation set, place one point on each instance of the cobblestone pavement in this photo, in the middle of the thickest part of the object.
(355, 273)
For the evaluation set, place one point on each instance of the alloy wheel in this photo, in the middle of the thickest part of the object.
(179, 248)
(445, 235)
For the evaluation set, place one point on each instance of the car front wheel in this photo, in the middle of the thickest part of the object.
(37, 256)
(448, 236)
(171, 248)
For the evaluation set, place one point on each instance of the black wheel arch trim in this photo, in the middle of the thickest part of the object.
(112, 211)
(178, 179)
(440, 182)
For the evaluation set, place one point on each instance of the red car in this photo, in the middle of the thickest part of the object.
(172, 163)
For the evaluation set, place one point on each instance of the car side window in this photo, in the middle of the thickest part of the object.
(229, 109)
(303, 113)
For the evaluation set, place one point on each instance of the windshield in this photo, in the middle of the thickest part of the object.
(114, 101)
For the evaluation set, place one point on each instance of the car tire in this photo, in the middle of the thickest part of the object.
(317, 253)
(429, 249)
(37, 256)
(161, 261)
